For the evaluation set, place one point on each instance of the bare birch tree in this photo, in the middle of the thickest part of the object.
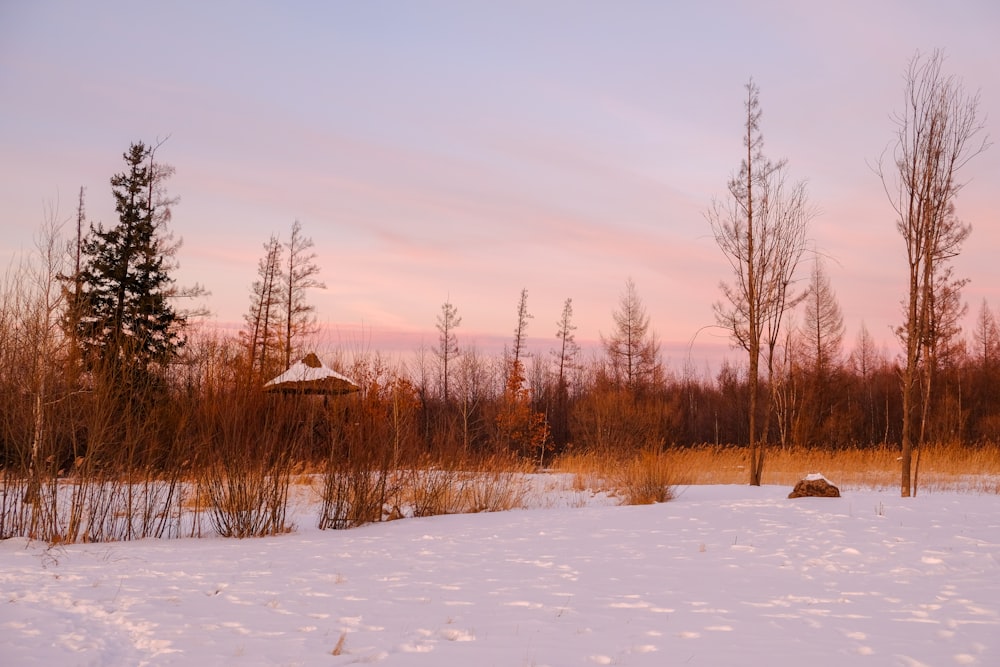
(937, 133)
(760, 228)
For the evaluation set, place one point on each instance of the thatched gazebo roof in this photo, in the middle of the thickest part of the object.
(311, 376)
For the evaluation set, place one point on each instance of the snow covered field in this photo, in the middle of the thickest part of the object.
(723, 575)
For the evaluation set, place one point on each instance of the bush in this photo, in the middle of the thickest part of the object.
(646, 479)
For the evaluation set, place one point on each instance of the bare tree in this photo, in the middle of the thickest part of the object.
(986, 336)
(816, 358)
(447, 349)
(565, 361)
(943, 346)
(160, 206)
(473, 384)
(568, 347)
(633, 349)
(864, 362)
(937, 134)
(261, 333)
(300, 275)
(73, 289)
(42, 321)
(823, 324)
(520, 333)
(865, 353)
(760, 228)
(986, 354)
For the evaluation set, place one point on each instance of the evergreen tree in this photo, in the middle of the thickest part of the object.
(125, 317)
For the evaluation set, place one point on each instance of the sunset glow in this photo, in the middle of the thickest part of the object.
(464, 151)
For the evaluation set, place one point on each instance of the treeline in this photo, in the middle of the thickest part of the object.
(207, 406)
(102, 368)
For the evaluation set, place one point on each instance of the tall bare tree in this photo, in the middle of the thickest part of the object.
(73, 288)
(299, 275)
(937, 133)
(568, 347)
(160, 207)
(565, 361)
(520, 333)
(760, 228)
(261, 333)
(41, 317)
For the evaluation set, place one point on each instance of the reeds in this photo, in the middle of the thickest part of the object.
(362, 492)
(649, 476)
(944, 467)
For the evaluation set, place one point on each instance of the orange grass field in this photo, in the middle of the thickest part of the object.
(941, 467)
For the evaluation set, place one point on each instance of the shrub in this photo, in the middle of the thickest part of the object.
(646, 479)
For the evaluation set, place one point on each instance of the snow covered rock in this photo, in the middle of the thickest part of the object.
(814, 485)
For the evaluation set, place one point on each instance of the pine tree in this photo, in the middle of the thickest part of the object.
(125, 317)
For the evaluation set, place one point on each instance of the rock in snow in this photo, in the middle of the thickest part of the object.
(814, 485)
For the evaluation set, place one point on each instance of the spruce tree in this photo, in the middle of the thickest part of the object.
(126, 319)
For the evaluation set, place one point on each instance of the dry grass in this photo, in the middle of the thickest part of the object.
(646, 479)
(488, 484)
(942, 467)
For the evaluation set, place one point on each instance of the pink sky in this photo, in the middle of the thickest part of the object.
(464, 151)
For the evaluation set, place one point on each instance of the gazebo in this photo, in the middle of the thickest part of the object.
(311, 376)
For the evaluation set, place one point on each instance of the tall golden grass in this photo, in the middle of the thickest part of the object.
(944, 467)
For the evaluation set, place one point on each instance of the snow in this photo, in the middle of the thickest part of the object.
(722, 575)
(314, 371)
(815, 477)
